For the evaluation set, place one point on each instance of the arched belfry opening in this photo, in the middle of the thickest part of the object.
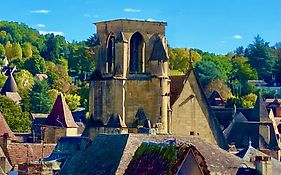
(110, 59)
(137, 53)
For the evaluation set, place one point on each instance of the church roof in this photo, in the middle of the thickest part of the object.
(158, 52)
(192, 78)
(5, 129)
(115, 122)
(121, 148)
(260, 112)
(215, 99)
(262, 134)
(61, 115)
(10, 85)
(150, 158)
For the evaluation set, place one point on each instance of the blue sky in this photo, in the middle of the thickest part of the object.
(217, 26)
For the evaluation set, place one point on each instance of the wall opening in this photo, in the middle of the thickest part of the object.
(137, 49)
(110, 60)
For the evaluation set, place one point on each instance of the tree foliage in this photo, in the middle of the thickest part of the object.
(17, 120)
(261, 57)
(248, 101)
(208, 71)
(39, 98)
(180, 58)
(73, 101)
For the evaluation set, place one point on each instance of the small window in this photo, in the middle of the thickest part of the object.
(192, 133)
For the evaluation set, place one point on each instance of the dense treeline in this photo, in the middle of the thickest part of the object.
(229, 74)
(33, 53)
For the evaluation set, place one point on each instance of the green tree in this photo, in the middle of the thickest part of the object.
(180, 58)
(25, 82)
(73, 101)
(2, 79)
(39, 98)
(9, 50)
(17, 51)
(53, 93)
(2, 51)
(208, 71)
(17, 120)
(261, 57)
(27, 50)
(248, 101)
(36, 65)
(84, 94)
(243, 71)
(58, 77)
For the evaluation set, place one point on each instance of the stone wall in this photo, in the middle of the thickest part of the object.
(188, 117)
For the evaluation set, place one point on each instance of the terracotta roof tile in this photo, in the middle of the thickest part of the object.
(4, 128)
(28, 152)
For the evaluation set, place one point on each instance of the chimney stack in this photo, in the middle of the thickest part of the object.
(263, 164)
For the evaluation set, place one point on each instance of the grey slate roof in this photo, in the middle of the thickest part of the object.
(10, 85)
(158, 52)
(260, 112)
(111, 154)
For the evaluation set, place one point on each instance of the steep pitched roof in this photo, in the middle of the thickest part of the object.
(60, 115)
(260, 112)
(238, 117)
(121, 148)
(150, 158)
(225, 115)
(10, 85)
(115, 122)
(262, 135)
(192, 78)
(4, 128)
(158, 52)
(215, 99)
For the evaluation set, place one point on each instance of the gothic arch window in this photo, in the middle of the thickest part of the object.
(110, 60)
(137, 49)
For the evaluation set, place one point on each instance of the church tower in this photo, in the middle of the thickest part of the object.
(131, 75)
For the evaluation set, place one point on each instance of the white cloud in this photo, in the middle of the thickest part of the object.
(132, 10)
(40, 11)
(87, 15)
(54, 32)
(237, 37)
(96, 16)
(41, 25)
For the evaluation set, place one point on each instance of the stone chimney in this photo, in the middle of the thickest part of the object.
(263, 164)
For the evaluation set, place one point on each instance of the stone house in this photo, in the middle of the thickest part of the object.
(59, 122)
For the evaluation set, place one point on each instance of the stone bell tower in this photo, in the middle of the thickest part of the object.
(131, 75)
